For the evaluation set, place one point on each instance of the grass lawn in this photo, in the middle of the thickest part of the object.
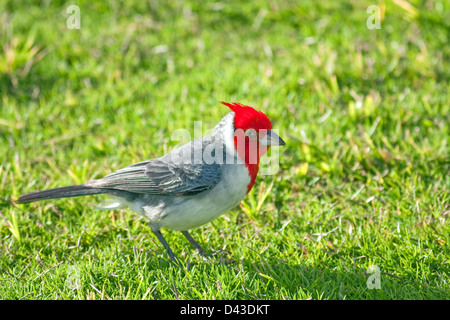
(362, 190)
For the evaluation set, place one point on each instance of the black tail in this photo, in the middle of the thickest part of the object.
(65, 192)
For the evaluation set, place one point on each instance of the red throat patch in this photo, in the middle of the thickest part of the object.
(253, 172)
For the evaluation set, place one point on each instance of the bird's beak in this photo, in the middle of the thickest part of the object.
(271, 139)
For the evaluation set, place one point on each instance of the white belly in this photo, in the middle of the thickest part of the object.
(189, 212)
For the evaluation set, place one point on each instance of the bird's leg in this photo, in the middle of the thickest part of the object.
(163, 241)
(194, 243)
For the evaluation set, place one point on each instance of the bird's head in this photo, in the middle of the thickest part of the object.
(253, 134)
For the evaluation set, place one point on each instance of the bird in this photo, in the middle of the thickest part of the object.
(191, 185)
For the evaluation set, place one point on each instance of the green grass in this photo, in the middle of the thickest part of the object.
(363, 179)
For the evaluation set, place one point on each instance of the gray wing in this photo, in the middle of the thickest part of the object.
(173, 174)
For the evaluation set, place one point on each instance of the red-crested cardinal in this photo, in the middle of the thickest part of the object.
(191, 185)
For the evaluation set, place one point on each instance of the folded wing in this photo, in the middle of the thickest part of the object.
(164, 176)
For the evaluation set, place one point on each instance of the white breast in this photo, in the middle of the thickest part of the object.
(194, 211)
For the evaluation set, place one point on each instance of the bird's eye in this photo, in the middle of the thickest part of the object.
(251, 133)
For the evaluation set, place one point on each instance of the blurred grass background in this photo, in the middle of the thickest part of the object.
(363, 180)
